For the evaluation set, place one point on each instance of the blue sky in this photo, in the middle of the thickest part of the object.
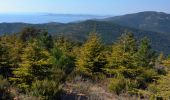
(102, 7)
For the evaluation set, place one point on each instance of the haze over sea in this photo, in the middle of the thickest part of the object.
(45, 18)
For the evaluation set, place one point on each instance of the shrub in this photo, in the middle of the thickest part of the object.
(47, 89)
(148, 76)
(4, 89)
(117, 85)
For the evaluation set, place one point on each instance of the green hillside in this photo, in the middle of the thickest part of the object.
(149, 20)
(79, 32)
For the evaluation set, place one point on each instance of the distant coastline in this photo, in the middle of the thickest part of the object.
(46, 18)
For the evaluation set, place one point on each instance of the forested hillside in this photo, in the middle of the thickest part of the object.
(148, 20)
(38, 66)
(79, 32)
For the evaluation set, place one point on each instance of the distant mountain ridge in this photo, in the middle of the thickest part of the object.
(148, 20)
(79, 31)
(141, 24)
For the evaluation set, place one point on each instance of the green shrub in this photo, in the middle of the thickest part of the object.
(117, 85)
(47, 89)
(161, 87)
(4, 89)
(148, 76)
(98, 77)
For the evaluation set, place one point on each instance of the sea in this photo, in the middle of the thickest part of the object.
(46, 18)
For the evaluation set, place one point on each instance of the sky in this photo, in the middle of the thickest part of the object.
(100, 7)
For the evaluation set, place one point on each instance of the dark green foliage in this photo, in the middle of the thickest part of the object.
(41, 66)
(64, 62)
(4, 58)
(28, 33)
(45, 40)
(4, 62)
(145, 55)
(4, 89)
(63, 65)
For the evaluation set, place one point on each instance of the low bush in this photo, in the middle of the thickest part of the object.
(117, 85)
(4, 89)
(45, 89)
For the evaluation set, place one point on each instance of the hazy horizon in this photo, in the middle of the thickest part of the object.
(64, 11)
(83, 14)
(39, 18)
(45, 18)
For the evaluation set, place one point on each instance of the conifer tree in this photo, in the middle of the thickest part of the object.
(122, 54)
(35, 65)
(10, 48)
(45, 40)
(4, 61)
(63, 44)
(29, 33)
(91, 59)
(145, 55)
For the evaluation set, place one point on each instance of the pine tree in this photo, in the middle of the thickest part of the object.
(91, 59)
(62, 61)
(64, 44)
(10, 48)
(29, 33)
(45, 40)
(145, 56)
(128, 41)
(4, 61)
(35, 65)
(122, 54)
